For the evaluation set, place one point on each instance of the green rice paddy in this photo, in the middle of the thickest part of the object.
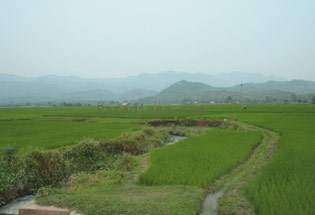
(284, 186)
(200, 160)
(28, 135)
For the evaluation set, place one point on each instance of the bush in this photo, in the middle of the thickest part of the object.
(9, 153)
(46, 168)
(13, 177)
(137, 142)
(84, 155)
(23, 174)
(127, 162)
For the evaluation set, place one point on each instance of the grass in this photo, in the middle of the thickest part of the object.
(234, 184)
(150, 112)
(130, 199)
(42, 134)
(200, 160)
(26, 173)
(284, 186)
(113, 193)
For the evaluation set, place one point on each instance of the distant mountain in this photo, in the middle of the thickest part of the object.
(181, 90)
(189, 92)
(16, 89)
(137, 93)
(294, 86)
(185, 92)
(160, 81)
(12, 78)
(101, 95)
(234, 78)
(155, 82)
(48, 94)
(90, 95)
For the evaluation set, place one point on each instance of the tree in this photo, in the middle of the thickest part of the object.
(313, 99)
(228, 99)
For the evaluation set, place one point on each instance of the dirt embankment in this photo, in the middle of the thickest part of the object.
(186, 122)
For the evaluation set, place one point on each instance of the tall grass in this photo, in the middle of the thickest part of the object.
(200, 160)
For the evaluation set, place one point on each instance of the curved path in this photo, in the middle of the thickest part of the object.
(233, 185)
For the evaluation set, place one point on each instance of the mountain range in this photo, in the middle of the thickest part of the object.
(18, 89)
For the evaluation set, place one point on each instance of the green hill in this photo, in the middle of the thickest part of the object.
(184, 92)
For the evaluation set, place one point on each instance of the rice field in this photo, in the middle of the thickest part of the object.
(285, 186)
(28, 135)
(200, 160)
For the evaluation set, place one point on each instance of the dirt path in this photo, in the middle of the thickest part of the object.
(234, 199)
(144, 167)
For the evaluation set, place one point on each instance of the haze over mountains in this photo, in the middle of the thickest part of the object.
(184, 92)
(17, 89)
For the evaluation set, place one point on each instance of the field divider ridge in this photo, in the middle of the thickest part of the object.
(233, 185)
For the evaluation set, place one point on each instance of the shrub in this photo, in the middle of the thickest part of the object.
(9, 153)
(13, 177)
(127, 162)
(84, 155)
(137, 142)
(46, 168)
(26, 173)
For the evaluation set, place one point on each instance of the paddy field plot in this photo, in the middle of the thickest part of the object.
(287, 184)
(284, 186)
(200, 160)
(49, 134)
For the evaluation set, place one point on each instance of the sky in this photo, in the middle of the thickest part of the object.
(117, 38)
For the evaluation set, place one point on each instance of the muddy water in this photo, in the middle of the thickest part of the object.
(210, 203)
(175, 139)
(13, 207)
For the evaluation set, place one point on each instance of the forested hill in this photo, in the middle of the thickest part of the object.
(183, 92)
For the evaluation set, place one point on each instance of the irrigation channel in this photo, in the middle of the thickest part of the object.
(211, 201)
(175, 139)
(227, 195)
(224, 191)
(13, 207)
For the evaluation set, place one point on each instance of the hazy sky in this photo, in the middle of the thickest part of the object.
(114, 38)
